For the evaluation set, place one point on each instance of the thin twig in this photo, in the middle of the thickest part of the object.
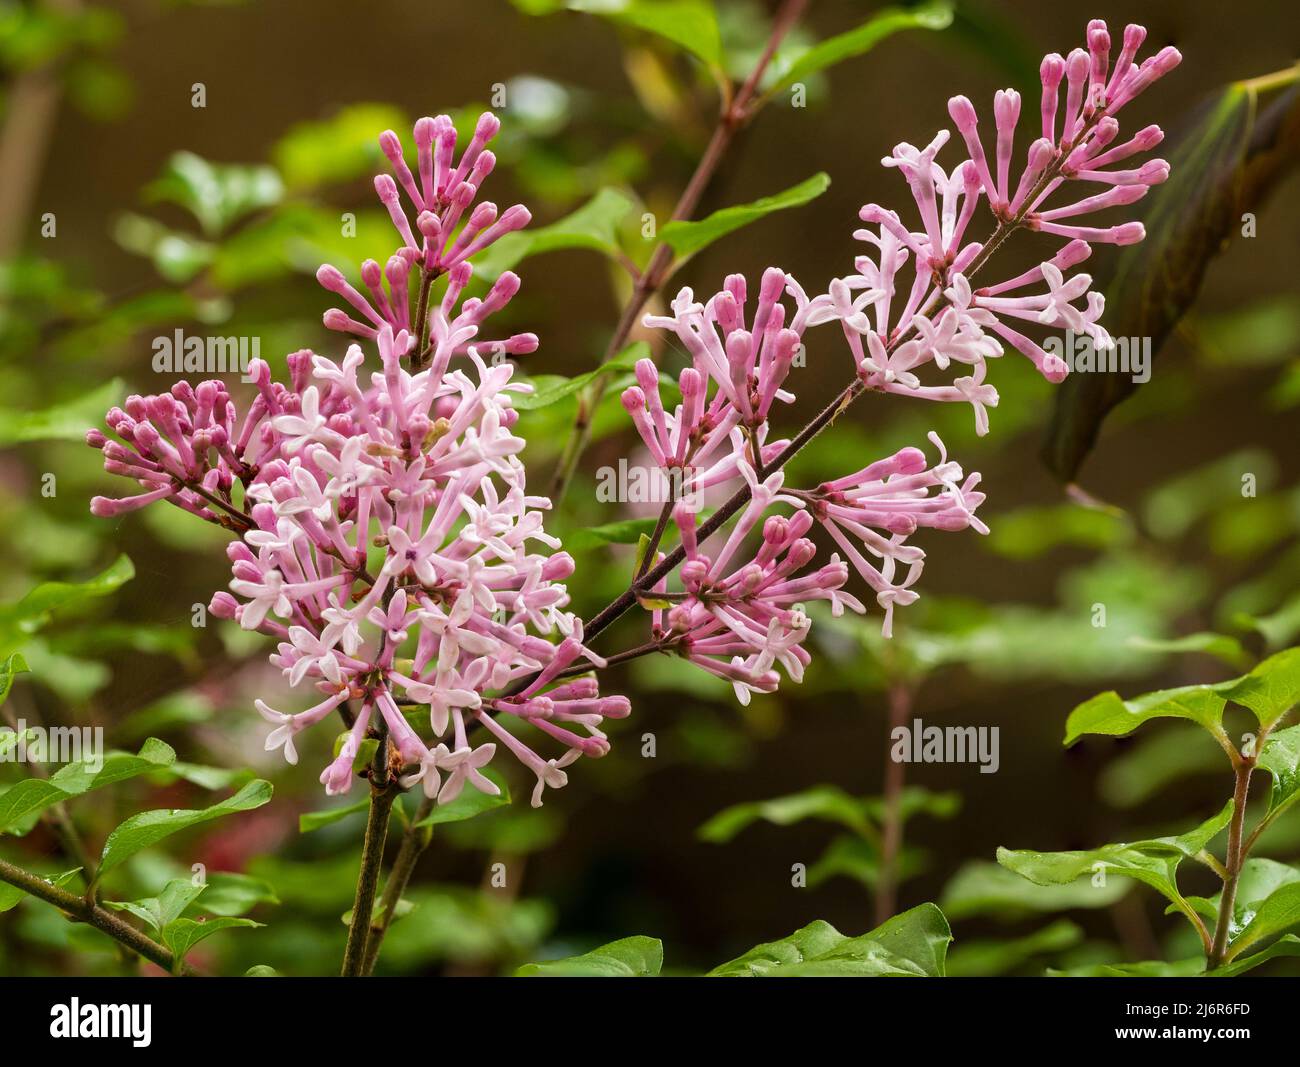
(383, 792)
(652, 546)
(245, 520)
(84, 910)
(422, 318)
(736, 111)
(1234, 860)
(900, 706)
(414, 843)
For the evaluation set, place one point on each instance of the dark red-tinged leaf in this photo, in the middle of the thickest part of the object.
(1233, 153)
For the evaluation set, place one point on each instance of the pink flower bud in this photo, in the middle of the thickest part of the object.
(331, 278)
(964, 116)
(390, 144)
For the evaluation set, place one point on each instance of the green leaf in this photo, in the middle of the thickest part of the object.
(1281, 758)
(995, 957)
(642, 547)
(13, 665)
(515, 830)
(850, 856)
(1110, 716)
(593, 226)
(1286, 946)
(72, 678)
(1156, 762)
(826, 802)
(806, 943)
(1174, 508)
(404, 907)
(67, 421)
(1147, 969)
(1264, 332)
(212, 778)
(337, 149)
(11, 896)
(229, 893)
(177, 256)
(9, 739)
(623, 532)
(33, 611)
(913, 944)
(1225, 165)
(149, 827)
(297, 237)
(176, 896)
(33, 795)
(550, 388)
(470, 803)
(173, 712)
(463, 924)
(216, 194)
(1279, 627)
(181, 935)
(1153, 862)
(631, 957)
(916, 800)
(314, 820)
(861, 39)
(691, 25)
(1270, 690)
(686, 238)
(1268, 919)
(1222, 647)
(1028, 533)
(982, 888)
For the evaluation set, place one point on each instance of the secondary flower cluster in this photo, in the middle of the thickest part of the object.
(942, 318)
(738, 624)
(386, 536)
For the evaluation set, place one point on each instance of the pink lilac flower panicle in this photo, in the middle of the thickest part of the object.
(387, 537)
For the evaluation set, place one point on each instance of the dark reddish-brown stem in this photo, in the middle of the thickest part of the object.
(414, 843)
(891, 839)
(736, 111)
(82, 909)
(1235, 858)
(652, 546)
(383, 792)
